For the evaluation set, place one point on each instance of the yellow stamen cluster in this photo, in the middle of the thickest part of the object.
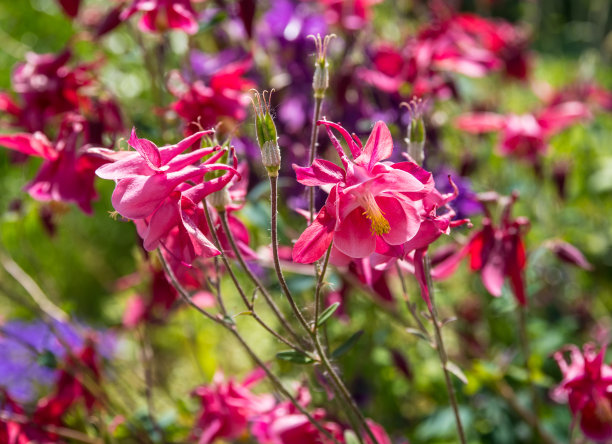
(379, 225)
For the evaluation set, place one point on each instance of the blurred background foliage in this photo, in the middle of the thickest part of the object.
(395, 376)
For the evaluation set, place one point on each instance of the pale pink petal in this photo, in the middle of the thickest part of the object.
(35, 144)
(322, 172)
(354, 237)
(480, 122)
(558, 117)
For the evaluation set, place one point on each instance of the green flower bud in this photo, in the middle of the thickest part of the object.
(266, 134)
(320, 80)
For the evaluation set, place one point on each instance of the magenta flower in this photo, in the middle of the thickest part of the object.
(220, 98)
(525, 135)
(160, 15)
(587, 387)
(496, 252)
(67, 173)
(370, 203)
(47, 86)
(145, 178)
(227, 408)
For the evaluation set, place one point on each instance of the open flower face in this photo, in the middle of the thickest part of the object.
(372, 204)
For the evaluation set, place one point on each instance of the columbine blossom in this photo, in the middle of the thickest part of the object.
(161, 15)
(496, 252)
(47, 87)
(587, 387)
(221, 97)
(67, 173)
(227, 408)
(525, 135)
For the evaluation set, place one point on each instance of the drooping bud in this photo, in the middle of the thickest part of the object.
(415, 138)
(320, 80)
(266, 133)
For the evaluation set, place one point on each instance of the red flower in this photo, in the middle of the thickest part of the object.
(587, 386)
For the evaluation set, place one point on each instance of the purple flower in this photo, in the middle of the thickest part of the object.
(24, 344)
(466, 204)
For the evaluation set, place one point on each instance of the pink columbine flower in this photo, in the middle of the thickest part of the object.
(371, 203)
(222, 98)
(525, 135)
(496, 252)
(47, 86)
(160, 15)
(227, 408)
(587, 387)
(67, 172)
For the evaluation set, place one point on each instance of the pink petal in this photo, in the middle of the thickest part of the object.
(315, 240)
(148, 150)
(556, 118)
(354, 237)
(205, 246)
(378, 147)
(480, 122)
(322, 172)
(403, 219)
(35, 144)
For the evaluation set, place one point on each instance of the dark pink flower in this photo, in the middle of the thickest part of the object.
(67, 173)
(351, 14)
(161, 15)
(371, 202)
(47, 86)
(220, 99)
(587, 387)
(525, 135)
(496, 252)
(227, 407)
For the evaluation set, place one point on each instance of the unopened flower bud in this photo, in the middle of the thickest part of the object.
(320, 80)
(266, 134)
(416, 130)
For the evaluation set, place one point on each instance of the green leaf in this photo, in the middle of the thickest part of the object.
(327, 313)
(294, 356)
(348, 344)
(418, 333)
(455, 370)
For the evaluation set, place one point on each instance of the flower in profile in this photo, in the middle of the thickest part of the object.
(525, 135)
(496, 252)
(161, 15)
(587, 387)
(227, 407)
(67, 172)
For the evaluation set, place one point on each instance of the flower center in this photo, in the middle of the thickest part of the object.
(379, 225)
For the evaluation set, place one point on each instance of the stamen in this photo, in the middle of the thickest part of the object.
(379, 225)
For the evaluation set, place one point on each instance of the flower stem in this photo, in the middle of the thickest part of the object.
(314, 133)
(442, 351)
(264, 291)
(246, 301)
(337, 381)
(222, 321)
(315, 326)
(524, 338)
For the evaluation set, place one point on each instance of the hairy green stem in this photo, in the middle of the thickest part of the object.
(314, 133)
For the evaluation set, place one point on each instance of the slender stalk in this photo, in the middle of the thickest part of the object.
(411, 307)
(264, 291)
(337, 381)
(507, 393)
(524, 338)
(314, 133)
(315, 326)
(279, 272)
(231, 328)
(442, 352)
(243, 296)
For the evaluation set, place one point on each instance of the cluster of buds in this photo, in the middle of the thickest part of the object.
(266, 133)
(415, 138)
(320, 80)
